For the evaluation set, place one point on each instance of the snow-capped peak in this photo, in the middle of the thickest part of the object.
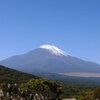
(54, 50)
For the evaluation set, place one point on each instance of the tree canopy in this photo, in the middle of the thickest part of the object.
(43, 89)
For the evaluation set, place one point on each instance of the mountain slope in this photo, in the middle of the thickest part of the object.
(51, 59)
(8, 75)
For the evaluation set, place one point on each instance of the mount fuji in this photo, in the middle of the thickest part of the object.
(50, 59)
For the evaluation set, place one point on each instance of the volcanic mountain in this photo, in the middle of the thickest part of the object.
(50, 59)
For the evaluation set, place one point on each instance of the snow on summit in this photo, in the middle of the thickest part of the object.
(54, 50)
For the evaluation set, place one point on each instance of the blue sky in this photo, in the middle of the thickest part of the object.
(72, 25)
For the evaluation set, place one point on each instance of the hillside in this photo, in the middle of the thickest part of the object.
(8, 75)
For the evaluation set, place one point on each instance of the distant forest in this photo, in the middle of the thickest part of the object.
(15, 84)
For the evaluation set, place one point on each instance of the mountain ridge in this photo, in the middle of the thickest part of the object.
(43, 60)
(13, 76)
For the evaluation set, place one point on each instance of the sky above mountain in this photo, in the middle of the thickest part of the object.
(71, 25)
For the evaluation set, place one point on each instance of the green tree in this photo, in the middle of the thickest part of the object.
(88, 95)
(43, 88)
(97, 93)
